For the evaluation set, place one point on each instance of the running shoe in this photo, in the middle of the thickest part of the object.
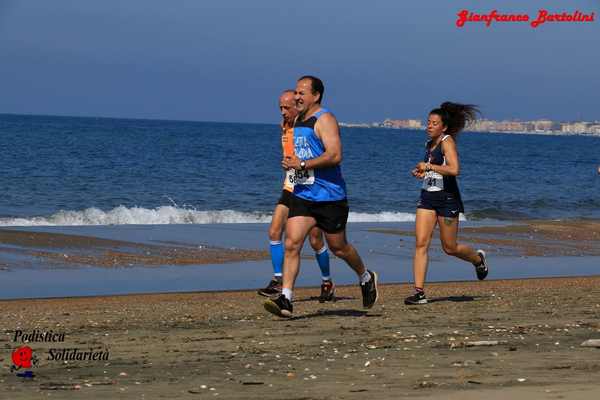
(369, 291)
(279, 306)
(481, 269)
(272, 289)
(327, 291)
(416, 299)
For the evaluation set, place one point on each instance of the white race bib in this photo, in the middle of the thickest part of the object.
(433, 182)
(289, 178)
(296, 177)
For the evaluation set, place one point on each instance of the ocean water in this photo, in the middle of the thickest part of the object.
(100, 171)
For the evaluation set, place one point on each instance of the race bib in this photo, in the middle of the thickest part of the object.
(289, 178)
(433, 182)
(296, 177)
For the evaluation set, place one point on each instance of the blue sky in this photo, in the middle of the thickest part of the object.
(228, 60)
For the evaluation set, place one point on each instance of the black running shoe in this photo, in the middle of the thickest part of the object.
(327, 291)
(416, 299)
(279, 306)
(481, 269)
(369, 291)
(272, 289)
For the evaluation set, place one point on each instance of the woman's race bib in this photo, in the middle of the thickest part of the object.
(433, 182)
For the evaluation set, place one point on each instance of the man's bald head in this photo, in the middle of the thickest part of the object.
(287, 106)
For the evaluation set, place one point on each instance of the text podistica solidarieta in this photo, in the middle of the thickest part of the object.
(63, 353)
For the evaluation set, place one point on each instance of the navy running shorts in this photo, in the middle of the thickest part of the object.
(444, 204)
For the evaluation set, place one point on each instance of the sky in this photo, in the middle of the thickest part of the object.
(228, 60)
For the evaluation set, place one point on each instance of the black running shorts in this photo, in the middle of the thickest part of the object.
(443, 203)
(286, 198)
(331, 216)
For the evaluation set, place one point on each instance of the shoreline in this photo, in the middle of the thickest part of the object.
(529, 237)
(111, 260)
(122, 246)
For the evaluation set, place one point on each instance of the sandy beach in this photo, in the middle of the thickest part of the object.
(519, 338)
(224, 345)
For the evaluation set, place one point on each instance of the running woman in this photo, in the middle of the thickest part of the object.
(440, 202)
(287, 106)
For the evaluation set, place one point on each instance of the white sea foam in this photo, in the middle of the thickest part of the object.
(386, 216)
(174, 215)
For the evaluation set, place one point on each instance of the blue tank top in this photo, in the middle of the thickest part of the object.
(320, 184)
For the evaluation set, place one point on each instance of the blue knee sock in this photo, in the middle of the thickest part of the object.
(276, 257)
(322, 257)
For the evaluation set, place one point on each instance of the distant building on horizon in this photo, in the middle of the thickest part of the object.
(540, 126)
(402, 123)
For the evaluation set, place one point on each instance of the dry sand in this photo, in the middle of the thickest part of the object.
(224, 345)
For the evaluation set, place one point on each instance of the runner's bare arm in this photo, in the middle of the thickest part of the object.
(452, 167)
(328, 131)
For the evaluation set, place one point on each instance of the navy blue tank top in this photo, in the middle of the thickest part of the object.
(434, 182)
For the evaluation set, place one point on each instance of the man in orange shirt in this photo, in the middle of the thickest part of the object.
(287, 106)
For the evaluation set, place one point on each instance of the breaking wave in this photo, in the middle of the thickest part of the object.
(174, 215)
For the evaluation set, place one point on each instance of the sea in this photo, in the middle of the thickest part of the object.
(64, 171)
(216, 184)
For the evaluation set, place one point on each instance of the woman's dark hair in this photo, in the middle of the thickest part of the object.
(455, 116)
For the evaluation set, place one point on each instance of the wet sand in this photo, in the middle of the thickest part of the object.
(78, 250)
(224, 345)
(51, 249)
(530, 238)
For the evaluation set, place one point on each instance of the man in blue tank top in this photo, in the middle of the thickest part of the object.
(319, 197)
(287, 107)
